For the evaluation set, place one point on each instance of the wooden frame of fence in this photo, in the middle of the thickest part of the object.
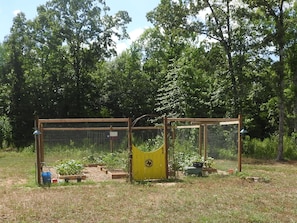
(39, 138)
(200, 123)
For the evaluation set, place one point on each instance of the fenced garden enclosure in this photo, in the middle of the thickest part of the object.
(84, 139)
(155, 151)
(216, 142)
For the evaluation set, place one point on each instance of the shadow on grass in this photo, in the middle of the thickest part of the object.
(157, 181)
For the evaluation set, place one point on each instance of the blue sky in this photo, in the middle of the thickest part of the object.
(137, 10)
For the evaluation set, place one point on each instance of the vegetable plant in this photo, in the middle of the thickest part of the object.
(69, 167)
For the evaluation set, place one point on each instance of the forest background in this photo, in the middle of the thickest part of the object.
(201, 58)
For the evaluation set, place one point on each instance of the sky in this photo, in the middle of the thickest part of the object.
(137, 10)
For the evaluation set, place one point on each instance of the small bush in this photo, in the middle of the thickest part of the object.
(5, 132)
(261, 149)
(267, 148)
(290, 148)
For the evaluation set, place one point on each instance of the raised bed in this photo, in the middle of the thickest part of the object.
(115, 174)
(118, 174)
(78, 178)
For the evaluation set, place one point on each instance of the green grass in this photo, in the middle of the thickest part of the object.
(194, 199)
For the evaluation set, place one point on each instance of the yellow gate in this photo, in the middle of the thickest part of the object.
(149, 165)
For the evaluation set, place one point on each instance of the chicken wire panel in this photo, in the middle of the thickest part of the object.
(188, 142)
(148, 139)
(82, 138)
(185, 138)
(222, 145)
(78, 140)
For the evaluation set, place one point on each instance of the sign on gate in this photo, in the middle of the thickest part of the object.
(148, 165)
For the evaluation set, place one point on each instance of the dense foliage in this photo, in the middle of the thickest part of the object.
(200, 59)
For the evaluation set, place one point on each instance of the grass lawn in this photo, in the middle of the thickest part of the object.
(194, 199)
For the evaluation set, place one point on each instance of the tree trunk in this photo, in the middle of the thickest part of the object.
(295, 102)
(281, 82)
(281, 128)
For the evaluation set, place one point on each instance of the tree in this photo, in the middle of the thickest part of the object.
(49, 70)
(87, 33)
(20, 112)
(181, 21)
(171, 100)
(291, 56)
(4, 81)
(48, 64)
(271, 14)
(168, 19)
(127, 90)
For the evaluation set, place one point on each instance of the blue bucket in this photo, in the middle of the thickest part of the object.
(46, 177)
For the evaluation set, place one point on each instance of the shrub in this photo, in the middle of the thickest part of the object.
(261, 149)
(290, 148)
(267, 148)
(5, 132)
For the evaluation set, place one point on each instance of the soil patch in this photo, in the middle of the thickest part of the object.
(98, 174)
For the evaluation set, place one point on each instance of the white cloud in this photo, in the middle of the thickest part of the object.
(124, 44)
(136, 33)
(121, 46)
(202, 14)
(17, 11)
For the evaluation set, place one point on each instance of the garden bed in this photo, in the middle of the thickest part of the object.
(78, 178)
(115, 173)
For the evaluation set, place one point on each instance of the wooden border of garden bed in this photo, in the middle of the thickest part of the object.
(78, 178)
(209, 170)
(115, 174)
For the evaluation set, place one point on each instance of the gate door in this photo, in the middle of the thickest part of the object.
(148, 165)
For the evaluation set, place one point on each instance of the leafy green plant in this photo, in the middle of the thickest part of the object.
(28, 150)
(152, 144)
(209, 162)
(5, 132)
(182, 160)
(290, 148)
(69, 167)
(92, 159)
(117, 160)
(261, 149)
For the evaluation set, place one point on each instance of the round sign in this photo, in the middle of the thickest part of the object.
(148, 163)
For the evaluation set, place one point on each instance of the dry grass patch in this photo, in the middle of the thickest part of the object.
(204, 199)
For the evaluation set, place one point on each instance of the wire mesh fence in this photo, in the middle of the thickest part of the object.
(215, 144)
(81, 139)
